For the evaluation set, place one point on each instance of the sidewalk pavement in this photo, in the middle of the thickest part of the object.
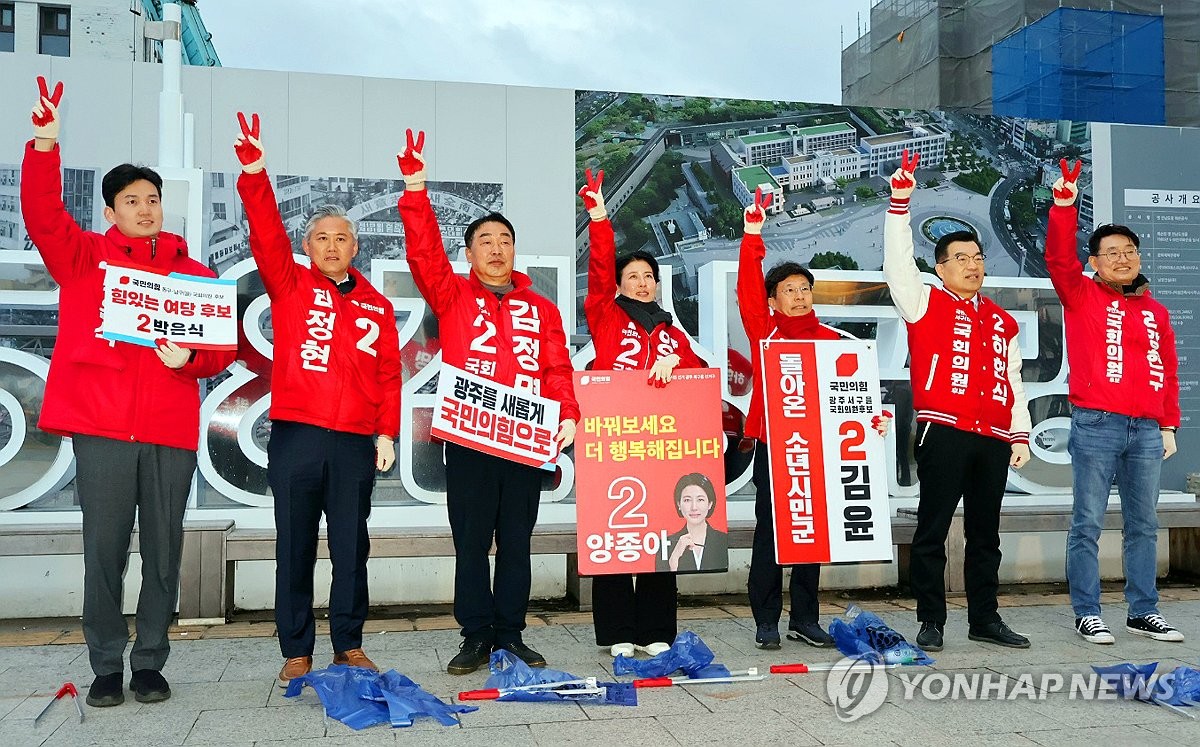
(224, 692)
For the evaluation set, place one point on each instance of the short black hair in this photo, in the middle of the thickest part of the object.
(783, 271)
(489, 218)
(701, 481)
(639, 256)
(942, 249)
(1111, 229)
(120, 177)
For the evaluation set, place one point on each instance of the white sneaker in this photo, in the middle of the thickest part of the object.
(622, 649)
(1093, 630)
(654, 649)
(1153, 626)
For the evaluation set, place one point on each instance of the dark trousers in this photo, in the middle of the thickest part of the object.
(488, 497)
(765, 582)
(114, 480)
(313, 470)
(641, 614)
(954, 464)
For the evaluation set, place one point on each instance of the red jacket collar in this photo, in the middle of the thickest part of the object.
(149, 251)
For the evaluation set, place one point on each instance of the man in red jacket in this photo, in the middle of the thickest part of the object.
(493, 324)
(132, 412)
(335, 412)
(1125, 390)
(972, 417)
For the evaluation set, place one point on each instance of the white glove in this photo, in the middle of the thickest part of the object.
(412, 163)
(1168, 444)
(45, 111)
(566, 434)
(660, 372)
(385, 453)
(1020, 456)
(1065, 189)
(593, 196)
(171, 355)
(248, 147)
(756, 215)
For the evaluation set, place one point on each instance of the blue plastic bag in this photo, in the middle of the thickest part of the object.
(688, 653)
(1129, 680)
(509, 672)
(863, 634)
(361, 697)
(1179, 687)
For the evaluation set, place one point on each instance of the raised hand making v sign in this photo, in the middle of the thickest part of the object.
(45, 115)
(1065, 187)
(412, 163)
(756, 214)
(248, 147)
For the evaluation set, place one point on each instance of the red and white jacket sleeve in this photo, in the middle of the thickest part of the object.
(426, 254)
(387, 414)
(1170, 358)
(67, 249)
(909, 295)
(1021, 421)
(557, 372)
(269, 241)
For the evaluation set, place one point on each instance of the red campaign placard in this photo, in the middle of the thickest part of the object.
(637, 449)
(828, 470)
(797, 458)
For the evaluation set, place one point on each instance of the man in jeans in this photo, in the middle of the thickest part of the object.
(1125, 391)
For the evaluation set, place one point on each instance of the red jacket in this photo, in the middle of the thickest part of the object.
(521, 344)
(337, 358)
(97, 387)
(1122, 347)
(965, 361)
(620, 342)
(761, 323)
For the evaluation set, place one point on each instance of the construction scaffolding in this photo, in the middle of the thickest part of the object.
(1094, 66)
(930, 54)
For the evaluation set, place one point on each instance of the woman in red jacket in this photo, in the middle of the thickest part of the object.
(630, 331)
(779, 305)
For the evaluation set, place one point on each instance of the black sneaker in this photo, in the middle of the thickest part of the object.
(930, 637)
(472, 654)
(999, 634)
(149, 686)
(524, 653)
(1153, 626)
(811, 633)
(106, 690)
(767, 637)
(1093, 630)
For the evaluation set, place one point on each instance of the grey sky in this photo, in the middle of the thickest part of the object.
(777, 50)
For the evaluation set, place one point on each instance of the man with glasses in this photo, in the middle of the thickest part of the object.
(1124, 388)
(972, 417)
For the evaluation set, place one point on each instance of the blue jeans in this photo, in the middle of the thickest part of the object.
(1105, 447)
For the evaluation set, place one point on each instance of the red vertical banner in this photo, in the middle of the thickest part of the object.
(796, 451)
(650, 473)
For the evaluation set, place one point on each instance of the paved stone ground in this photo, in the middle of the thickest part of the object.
(224, 691)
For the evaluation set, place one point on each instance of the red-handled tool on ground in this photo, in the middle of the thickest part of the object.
(68, 688)
(805, 668)
(750, 675)
(585, 687)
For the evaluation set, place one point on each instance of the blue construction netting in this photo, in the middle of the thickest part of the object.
(1096, 66)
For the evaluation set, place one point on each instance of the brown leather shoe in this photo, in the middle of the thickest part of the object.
(354, 658)
(295, 667)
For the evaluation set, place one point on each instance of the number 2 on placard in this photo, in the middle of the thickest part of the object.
(624, 516)
(143, 323)
(856, 434)
(632, 346)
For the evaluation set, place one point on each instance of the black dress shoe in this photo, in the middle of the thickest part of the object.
(106, 690)
(149, 686)
(472, 654)
(999, 634)
(930, 637)
(524, 653)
